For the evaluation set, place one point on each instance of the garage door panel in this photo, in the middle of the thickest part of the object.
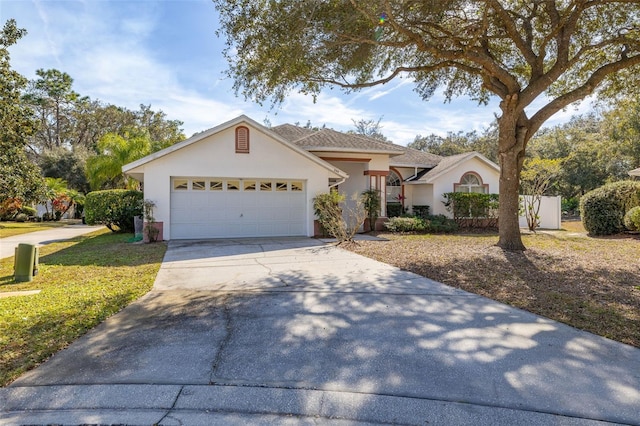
(238, 213)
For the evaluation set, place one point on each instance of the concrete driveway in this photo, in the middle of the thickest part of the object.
(9, 244)
(292, 331)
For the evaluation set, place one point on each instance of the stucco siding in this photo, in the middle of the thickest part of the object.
(422, 196)
(215, 156)
(445, 182)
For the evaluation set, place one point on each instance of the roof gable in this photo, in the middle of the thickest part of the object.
(448, 163)
(243, 119)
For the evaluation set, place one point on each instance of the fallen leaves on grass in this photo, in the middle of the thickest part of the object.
(588, 283)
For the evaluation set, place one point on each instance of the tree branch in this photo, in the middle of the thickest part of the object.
(512, 31)
(580, 92)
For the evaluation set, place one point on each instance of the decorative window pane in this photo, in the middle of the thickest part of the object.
(242, 140)
(296, 186)
(198, 185)
(470, 182)
(281, 186)
(265, 186)
(233, 185)
(393, 179)
(215, 185)
(249, 185)
(469, 179)
(180, 184)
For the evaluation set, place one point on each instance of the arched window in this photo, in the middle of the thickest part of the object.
(471, 182)
(242, 140)
(394, 187)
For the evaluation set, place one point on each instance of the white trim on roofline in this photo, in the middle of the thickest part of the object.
(224, 126)
(463, 157)
(349, 150)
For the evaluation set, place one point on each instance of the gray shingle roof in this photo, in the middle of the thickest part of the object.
(414, 158)
(450, 161)
(329, 139)
(290, 132)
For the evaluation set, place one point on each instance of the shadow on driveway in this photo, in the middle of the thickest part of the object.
(304, 329)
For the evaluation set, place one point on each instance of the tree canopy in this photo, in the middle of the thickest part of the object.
(19, 177)
(519, 51)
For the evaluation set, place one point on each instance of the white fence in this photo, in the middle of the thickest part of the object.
(550, 213)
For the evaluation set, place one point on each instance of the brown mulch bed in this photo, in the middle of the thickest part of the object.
(589, 283)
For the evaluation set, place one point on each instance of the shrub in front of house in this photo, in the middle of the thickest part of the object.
(29, 211)
(421, 211)
(114, 208)
(21, 217)
(440, 224)
(632, 219)
(473, 210)
(328, 210)
(603, 209)
(395, 210)
(406, 224)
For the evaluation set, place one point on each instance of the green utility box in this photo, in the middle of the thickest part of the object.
(25, 262)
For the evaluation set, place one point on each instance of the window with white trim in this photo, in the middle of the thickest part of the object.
(394, 187)
(471, 182)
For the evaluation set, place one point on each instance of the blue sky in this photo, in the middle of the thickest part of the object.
(165, 53)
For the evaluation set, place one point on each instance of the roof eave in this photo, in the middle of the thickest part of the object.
(413, 165)
(349, 150)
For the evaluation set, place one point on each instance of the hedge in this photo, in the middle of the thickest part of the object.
(114, 208)
(603, 209)
(632, 219)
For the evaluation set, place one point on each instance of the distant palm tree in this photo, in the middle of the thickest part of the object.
(104, 171)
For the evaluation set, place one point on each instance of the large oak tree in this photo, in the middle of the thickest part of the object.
(516, 50)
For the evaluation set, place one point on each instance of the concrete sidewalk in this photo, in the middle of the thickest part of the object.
(290, 331)
(8, 244)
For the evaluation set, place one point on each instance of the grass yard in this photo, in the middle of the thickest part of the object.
(9, 229)
(589, 283)
(83, 281)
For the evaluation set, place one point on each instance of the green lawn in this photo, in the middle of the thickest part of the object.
(83, 281)
(9, 229)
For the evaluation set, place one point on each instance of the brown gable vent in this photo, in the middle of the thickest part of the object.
(242, 140)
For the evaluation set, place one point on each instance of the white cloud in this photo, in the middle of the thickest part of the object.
(330, 110)
(115, 51)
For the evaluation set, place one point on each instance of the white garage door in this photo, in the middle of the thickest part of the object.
(232, 207)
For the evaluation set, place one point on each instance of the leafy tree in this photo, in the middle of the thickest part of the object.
(460, 142)
(622, 125)
(517, 51)
(19, 177)
(369, 128)
(105, 170)
(536, 179)
(589, 157)
(452, 144)
(53, 99)
(67, 165)
(162, 132)
(59, 196)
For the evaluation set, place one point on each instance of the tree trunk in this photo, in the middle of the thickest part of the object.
(511, 145)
